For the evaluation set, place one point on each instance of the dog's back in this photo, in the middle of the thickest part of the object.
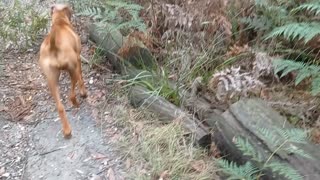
(62, 44)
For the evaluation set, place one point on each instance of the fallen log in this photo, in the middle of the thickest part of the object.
(110, 43)
(167, 112)
(245, 119)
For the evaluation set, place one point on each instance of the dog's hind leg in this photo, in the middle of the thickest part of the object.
(74, 79)
(83, 91)
(53, 78)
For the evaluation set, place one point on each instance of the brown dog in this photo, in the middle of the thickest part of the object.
(61, 50)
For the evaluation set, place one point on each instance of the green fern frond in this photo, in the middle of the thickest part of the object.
(294, 135)
(304, 30)
(304, 71)
(257, 23)
(269, 136)
(302, 74)
(284, 170)
(315, 85)
(247, 149)
(295, 150)
(246, 171)
(311, 7)
(110, 16)
(278, 136)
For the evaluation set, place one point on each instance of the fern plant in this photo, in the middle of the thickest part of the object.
(114, 15)
(302, 31)
(268, 15)
(304, 70)
(282, 140)
(246, 171)
(305, 30)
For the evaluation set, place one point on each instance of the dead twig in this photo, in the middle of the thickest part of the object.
(54, 150)
(95, 64)
(105, 168)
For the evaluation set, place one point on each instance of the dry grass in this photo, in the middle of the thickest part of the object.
(153, 150)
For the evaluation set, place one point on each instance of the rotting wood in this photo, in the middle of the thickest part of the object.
(167, 112)
(243, 119)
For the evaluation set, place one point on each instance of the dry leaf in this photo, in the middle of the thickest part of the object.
(128, 163)
(3, 108)
(198, 166)
(110, 174)
(98, 156)
(23, 102)
(6, 175)
(138, 127)
(2, 171)
(95, 177)
(79, 171)
(164, 175)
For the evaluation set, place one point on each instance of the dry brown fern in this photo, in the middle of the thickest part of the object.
(230, 83)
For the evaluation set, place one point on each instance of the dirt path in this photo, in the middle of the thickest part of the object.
(31, 143)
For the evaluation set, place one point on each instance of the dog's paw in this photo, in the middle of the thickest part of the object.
(67, 134)
(74, 102)
(84, 94)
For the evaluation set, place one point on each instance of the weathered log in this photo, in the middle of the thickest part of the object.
(110, 43)
(243, 119)
(167, 112)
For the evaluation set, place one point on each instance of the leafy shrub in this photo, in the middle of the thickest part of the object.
(22, 23)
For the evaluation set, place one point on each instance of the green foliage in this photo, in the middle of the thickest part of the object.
(257, 23)
(284, 170)
(289, 22)
(114, 15)
(304, 71)
(158, 85)
(282, 139)
(311, 7)
(22, 23)
(305, 31)
(247, 149)
(268, 15)
(293, 29)
(246, 171)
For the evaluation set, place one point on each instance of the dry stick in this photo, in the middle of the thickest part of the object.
(105, 168)
(54, 150)
(88, 62)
